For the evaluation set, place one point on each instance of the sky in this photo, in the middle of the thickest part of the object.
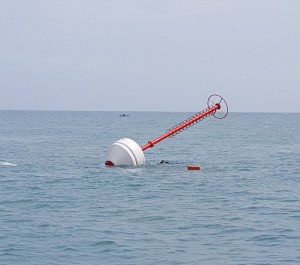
(149, 55)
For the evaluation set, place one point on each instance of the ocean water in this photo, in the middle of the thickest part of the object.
(59, 204)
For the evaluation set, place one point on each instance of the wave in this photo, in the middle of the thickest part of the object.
(7, 164)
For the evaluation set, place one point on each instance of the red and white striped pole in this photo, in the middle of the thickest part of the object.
(182, 126)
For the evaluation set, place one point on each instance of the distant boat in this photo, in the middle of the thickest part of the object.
(124, 115)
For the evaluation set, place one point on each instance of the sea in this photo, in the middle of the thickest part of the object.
(59, 203)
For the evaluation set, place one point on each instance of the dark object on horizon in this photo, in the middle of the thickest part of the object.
(164, 162)
(124, 115)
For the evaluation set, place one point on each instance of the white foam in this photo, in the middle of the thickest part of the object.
(7, 164)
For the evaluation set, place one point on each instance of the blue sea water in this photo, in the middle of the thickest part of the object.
(59, 204)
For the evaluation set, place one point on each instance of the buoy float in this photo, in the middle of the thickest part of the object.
(193, 167)
(125, 152)
(128, 153)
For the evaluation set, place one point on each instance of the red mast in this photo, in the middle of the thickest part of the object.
(211, 110)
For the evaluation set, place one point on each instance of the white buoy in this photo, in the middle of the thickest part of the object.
(125, 152)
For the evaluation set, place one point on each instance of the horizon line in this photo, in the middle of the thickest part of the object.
(122, 111)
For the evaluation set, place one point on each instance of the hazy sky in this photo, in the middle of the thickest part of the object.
(150, 55)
